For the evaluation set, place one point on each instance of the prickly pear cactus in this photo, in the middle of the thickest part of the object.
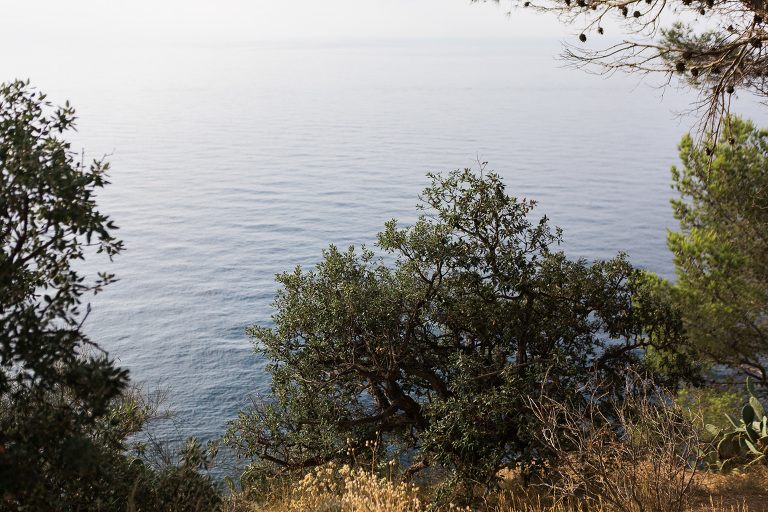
(745, 442)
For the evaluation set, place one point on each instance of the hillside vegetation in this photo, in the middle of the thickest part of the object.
(476, 367)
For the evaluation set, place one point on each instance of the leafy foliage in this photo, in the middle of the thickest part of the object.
(720, 251)
(433, 356)
(708, 404)
(120, 480)
(65, 412)
(51, 390)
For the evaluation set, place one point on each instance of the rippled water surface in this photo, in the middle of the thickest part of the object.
(233, 163)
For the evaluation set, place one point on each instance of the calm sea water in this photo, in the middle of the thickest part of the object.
(233, 163)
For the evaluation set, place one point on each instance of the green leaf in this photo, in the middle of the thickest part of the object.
(747, 414)
(751, 387)
(757, 407)
(728, 466)
(733, 421)
(751, 447)
(751, 433)
(728, 448)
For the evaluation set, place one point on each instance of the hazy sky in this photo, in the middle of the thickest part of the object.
(104, 21)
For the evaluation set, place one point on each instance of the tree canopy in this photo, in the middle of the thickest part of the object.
(721, 250)
(715, 46)
(54, 382)
(432, 358)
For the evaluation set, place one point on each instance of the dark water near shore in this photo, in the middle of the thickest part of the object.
(233, 163)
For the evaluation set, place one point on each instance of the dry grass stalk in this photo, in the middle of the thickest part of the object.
(344, 489)
(341, 489)
(636, 455)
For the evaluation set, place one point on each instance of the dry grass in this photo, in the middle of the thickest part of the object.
(343, 489)
(740, 492)
(332, 488)
(636, 458)
(629, 452)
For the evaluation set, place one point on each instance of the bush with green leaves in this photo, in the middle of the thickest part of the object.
(708, 404)
(435, 354)
(65, 410)
(54, 382)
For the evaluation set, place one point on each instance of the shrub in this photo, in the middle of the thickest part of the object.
(55, 383)
(434, 355)
(65, 410)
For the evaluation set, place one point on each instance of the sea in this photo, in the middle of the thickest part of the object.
(231, 163)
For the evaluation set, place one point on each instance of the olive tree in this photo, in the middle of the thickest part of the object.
(432, 358)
